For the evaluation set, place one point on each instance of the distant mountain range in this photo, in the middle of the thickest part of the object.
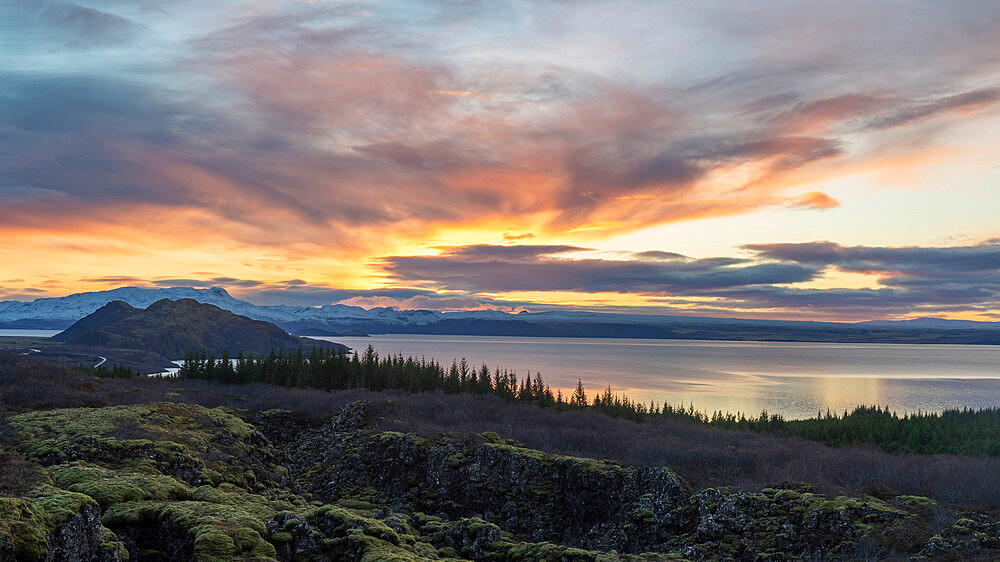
(174, 328)
(60, 312)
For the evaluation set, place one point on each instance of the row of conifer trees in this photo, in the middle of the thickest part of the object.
(331, 370)
(952, 431)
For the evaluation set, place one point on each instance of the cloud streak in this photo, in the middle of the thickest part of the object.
(490, 269)
(309, 110)
(911, 279)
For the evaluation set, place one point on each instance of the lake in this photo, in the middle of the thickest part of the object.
(18, 333)
(794, 379)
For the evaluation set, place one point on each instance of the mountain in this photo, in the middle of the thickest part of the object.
(925, 323)
(352, 321)
(175, 328)
(60, 312)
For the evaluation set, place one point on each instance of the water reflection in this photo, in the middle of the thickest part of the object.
(793, 379)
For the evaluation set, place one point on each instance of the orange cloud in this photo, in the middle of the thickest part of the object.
(314, 138)
(815, 200)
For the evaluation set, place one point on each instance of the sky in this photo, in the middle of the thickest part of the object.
(775, 159)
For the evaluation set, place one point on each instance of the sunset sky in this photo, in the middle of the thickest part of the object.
(799, 159)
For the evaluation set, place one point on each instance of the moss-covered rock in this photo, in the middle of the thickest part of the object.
(146, 466)
(22, 531)
(974, 537)
(110, 487)
(183, 441)
(180, 482)
(534, 494)
(53, 524)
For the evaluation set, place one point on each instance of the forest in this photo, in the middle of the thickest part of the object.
(966, 431)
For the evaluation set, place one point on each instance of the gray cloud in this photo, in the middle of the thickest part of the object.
(81, 26)
(317, 295)
(918, 261)
(913, 279)
(217, 127)
(535, 268)
(291, 291)
(325, 124)
(927, 109)
(48, 24)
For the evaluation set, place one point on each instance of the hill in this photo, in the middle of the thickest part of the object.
(175, 328)
(345, 320)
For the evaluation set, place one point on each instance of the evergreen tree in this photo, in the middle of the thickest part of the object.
(580, 395)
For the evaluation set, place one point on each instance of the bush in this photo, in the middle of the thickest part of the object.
(705, 455)
(17, 475)
(8, 435)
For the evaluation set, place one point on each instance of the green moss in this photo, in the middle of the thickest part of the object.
(165, 434)
(424, 551)
(128, 452)
(110, 542)
(24, 522)
(455, 460)
(390, 436)
(448, 552)
(56, 506)
(491, 437)
(281, 537)
(476, 526)
(210, 476)
(115, 486)
(208, 494)
(644, 515)
(220, 532)
(964, 526)
(807, 502)
(546, 551)
(916, 501)
(591, 465)
(784, 495)
(213, 544)
(22, 531)
(356, 504)
(340, 517)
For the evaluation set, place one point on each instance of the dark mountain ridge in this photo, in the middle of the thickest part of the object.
(345, 320)
(175, 328)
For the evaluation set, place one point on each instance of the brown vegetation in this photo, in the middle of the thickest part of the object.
(704, 455)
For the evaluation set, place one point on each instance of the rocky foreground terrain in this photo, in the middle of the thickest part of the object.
(169, 481)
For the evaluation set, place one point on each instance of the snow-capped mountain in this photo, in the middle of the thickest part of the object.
(62, 311)
(59, 313)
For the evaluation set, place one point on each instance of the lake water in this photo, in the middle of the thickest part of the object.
(794, 379)
(29, 333)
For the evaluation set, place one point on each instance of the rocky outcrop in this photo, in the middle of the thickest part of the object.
(53, 525)
(176, 482)
(587, 504)
(969, 538)
(84, 539)
(542, 497)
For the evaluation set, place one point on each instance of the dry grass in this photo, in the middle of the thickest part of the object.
(18, 476)
(704, 455)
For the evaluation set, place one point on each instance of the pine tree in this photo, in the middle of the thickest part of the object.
(579, 396)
